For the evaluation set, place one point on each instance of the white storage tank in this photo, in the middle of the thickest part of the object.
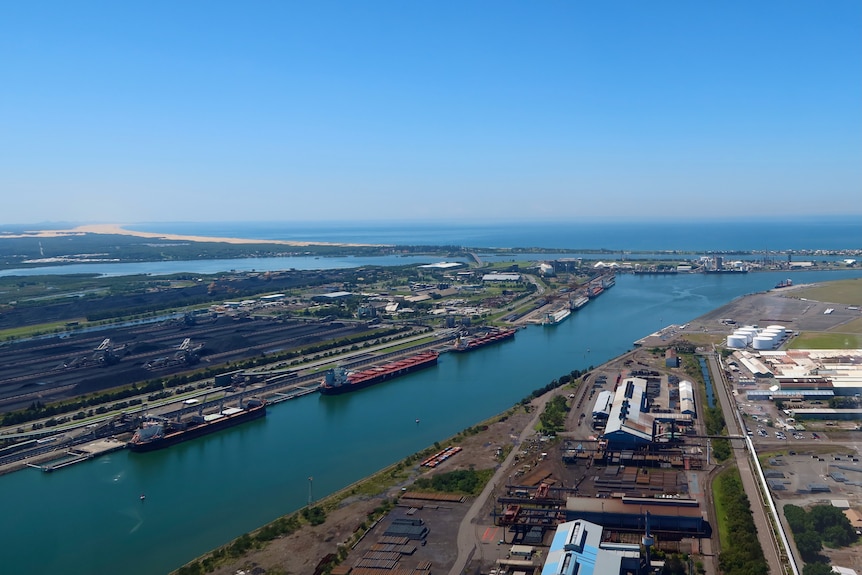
(747, 335)
(774, 335)
(748, 329)
(737, 341)
(762, 342)
(780, 328)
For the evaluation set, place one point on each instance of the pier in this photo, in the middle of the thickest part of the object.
(82, 453)
(297, 391)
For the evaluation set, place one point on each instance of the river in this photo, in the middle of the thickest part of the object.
(89, 519)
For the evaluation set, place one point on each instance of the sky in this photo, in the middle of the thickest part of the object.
(159, 111)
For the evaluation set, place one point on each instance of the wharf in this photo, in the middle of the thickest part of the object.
(80, 453)
(297, 391)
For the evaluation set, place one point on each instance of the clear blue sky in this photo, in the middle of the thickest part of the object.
(197, 111)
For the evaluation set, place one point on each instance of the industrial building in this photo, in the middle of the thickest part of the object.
(602, 408)
(802, 370)
(629, 424)
(578, 549)
(686, 398)
(676, 516)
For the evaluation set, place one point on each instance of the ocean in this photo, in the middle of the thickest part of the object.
(835, 233)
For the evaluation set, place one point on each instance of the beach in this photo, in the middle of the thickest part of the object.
(118, 229)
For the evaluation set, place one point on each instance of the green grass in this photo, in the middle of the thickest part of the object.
(848, 292)
(852, 326)
(825, 340)
(720, 511)
(408, 344)
(42, 328)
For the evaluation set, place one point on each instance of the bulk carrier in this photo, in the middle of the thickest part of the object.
(158, 432)
(579, 302)
(555, 317)
(463, 344)
(339, 381)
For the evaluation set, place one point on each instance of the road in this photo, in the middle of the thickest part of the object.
(468, 541)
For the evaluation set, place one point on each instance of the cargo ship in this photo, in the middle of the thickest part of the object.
(784, 283)
(157, 432)
(579, 302)
(338, 380)
(555, 317)
(463, 344)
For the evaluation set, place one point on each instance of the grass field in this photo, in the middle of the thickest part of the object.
(852, 326)
(718, 498)
(847, 292)
(825, 340)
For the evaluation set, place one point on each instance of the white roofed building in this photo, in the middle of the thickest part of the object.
(629, 424)
(686, 397)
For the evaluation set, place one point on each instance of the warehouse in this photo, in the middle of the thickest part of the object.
(629, 425)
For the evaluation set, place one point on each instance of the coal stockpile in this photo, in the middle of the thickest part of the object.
(148, 298)
(58, 368)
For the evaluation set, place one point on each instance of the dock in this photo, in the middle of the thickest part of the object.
(297, 391)
(81, 453)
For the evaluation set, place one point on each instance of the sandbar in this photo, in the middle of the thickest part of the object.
(118, 229)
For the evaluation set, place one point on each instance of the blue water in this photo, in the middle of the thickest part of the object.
(835, 233)
(707, 379)
(88, 519)
(225, 265)
(697, 238)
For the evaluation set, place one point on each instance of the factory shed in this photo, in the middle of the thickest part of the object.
(827, 413)
(602, 408)
(629, 425)
(332, 296)
(672, 515)
(578, 549)
(686, 398)
(768, 395)
(501, 277)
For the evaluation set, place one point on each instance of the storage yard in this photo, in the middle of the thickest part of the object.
(55, 368)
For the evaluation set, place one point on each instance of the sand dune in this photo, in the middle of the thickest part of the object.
(118, 229)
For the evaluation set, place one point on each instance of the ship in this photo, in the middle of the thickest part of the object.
(784, 283)
(579, 302)
(339, 380)
(596, 290)
(463, 344)
(158, 432)
(609, 281)
(555, 317)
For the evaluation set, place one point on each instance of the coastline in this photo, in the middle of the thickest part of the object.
(118, 229)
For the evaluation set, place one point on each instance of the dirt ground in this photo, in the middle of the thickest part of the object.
(302, 551)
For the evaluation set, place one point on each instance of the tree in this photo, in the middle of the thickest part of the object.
(809, 546)
(817, 569)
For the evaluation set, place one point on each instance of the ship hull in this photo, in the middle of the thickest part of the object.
(375, 379)
(199, 430)
(557, 317)
(485, 340)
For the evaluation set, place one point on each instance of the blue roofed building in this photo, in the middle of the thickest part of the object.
(577, 549)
